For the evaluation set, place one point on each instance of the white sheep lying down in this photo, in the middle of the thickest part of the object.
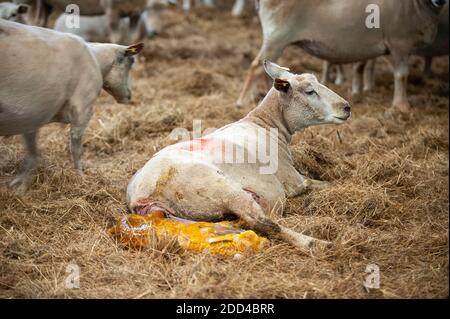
(59, 78)
(195, 181)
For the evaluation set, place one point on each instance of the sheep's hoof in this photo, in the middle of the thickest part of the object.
(319, 184)
(20, 184)
(319, 245)
(399, 112)
(368, 88)
(402, 107)
(314, 184)
(79, 172)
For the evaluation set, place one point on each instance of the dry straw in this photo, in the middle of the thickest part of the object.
(387, 202)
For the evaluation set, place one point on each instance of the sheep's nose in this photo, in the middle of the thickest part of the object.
(347, 108)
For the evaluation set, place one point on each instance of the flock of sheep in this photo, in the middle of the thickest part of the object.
(74, 67)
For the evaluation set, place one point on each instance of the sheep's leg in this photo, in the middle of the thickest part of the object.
(38, 13)
(151, 26)
(307, 184)
(400, 68)
(42, 14)
(186, 5)
(135, 30)
(369, 75)
(340, 77)
(358, 69)
(142, 28)
(314, 184)
(427, 67)
(209, 3)
(225, 197)
(22, 181)
(80, 120)
(325, 72)
(114, 25)
(76, 135)
(243, 205)
(247, 209)
(249, 80)
(268, 51)
(238, 8)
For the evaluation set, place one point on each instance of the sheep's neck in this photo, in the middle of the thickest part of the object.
(102, 56)
(268, 114)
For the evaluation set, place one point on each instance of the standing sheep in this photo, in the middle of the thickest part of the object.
(59, 78)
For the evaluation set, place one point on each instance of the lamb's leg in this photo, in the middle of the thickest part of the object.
(247, 209)
(358, 69)
(400, 68)
(22, 181)
(268, 51)
(369, 76)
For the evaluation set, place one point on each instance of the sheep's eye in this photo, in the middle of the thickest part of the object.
(310, 92)
(13, 15)
(438, 3)
(132, 60)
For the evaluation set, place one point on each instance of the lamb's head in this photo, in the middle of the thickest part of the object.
(304, 101)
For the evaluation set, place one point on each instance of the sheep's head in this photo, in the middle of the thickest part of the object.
(304, 101)
(116, 62)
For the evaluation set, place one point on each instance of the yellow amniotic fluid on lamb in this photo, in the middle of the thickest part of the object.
(224, 238)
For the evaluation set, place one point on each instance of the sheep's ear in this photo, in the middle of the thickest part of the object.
(134, 49)
(275, 71)
(281, 85)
